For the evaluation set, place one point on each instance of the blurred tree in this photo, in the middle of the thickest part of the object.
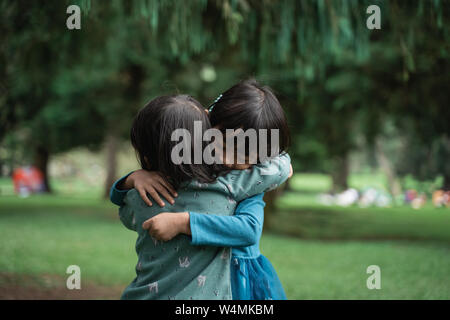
(33, 53)
(73, 88)
(338, 79)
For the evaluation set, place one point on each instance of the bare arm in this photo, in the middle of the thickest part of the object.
(148, 182)
(167, 225)
(242, 229)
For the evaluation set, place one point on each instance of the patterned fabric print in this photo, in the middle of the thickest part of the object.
(177, 269)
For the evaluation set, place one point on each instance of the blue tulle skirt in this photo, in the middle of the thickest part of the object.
(255, 279)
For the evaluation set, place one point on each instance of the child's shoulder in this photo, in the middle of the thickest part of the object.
(232, 179)
(227, 183)
(133, 199)
(219, 185)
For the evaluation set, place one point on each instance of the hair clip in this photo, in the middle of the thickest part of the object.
(214, 103)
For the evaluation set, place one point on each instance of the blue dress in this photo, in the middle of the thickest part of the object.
(252, 275)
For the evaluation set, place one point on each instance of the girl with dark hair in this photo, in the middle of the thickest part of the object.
(246, 105)
(249, 105)
(179, 269)
(151, 137)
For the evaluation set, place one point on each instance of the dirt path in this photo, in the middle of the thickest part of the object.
(51, 287)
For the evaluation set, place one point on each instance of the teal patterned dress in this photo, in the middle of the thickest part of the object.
(177, 269)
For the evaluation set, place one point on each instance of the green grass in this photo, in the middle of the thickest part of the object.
(337, 270)
(322, 222)
(300, 214)
(45, 234)
(313, 183)
(307, 186)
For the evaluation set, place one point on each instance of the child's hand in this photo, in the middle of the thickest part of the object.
(167, 225)
(153, 183)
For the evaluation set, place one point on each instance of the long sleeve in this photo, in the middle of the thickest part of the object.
(240, 230)
(127, 217)
(242, 184)
(117, 195)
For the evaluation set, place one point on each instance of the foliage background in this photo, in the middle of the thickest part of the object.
(365, 107)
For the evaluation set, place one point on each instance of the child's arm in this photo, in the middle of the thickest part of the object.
(144, 181)
(117, 193)
(259, 178)
(240, 230)
(126, 215)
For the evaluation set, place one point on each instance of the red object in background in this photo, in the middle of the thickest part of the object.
(28, 180)
(410, 195)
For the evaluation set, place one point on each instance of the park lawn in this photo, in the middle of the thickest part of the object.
(300, 214)
(314, 221)
(42, 235)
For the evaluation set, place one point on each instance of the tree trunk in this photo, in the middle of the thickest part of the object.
(41, 160)
(339, 174)
(446, 184)
(386, 167)
(446, 166)
(111, 146)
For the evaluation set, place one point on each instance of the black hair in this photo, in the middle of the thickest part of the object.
(151, 137)
(249, 105)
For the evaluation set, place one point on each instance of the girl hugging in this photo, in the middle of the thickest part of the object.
(183, 247)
